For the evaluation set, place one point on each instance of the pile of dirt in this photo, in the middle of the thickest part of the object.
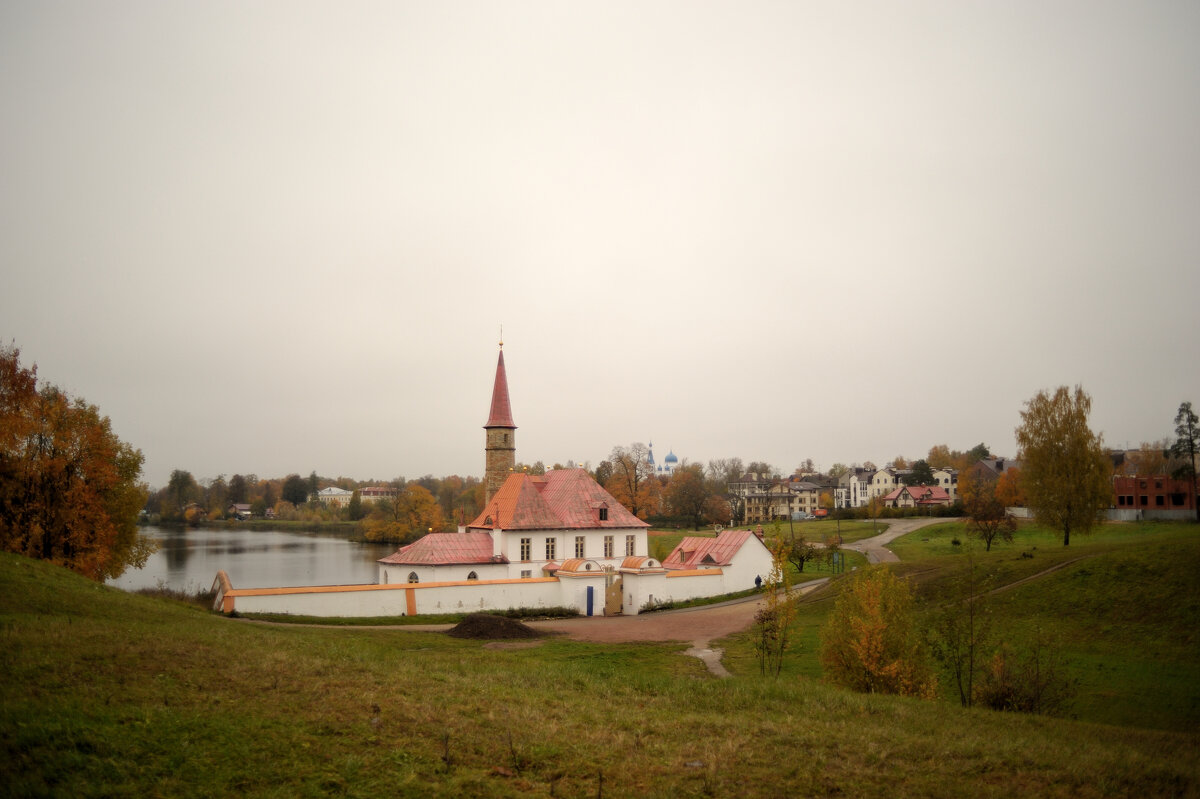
(489, 627)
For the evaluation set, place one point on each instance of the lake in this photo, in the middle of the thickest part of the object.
(188, 560)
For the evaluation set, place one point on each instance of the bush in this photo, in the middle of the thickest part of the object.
(1033, 681)
(870, 642)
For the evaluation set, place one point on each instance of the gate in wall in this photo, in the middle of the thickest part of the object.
(612, 598)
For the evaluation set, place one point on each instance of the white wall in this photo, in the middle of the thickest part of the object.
(422, 598)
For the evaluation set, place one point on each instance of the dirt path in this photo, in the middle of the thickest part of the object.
(697, 626)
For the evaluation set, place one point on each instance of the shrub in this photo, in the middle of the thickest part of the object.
(1033, 681)
(870, 642)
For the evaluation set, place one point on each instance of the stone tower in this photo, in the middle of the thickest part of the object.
(500, 445)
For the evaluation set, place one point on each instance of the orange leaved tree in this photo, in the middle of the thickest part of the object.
(870, 642)
(69, 490)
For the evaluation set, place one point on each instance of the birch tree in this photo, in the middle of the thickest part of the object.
(1064, 467)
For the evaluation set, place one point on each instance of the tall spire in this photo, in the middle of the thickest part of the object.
(501, 413)
(500, 447)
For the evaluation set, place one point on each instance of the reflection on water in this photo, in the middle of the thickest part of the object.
(188, 560)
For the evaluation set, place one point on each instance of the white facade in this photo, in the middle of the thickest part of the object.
(337, 497)
(947, 479)
(855, 488)
(528, 553)
(884, 482)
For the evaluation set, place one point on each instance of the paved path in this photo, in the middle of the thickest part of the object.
(876, 548)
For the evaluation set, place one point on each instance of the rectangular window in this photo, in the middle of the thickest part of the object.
(608, 546)
(526, 548)
(579, 546)
(1158, 500)
(630, 545)
(604, 514)
(526, 574)
(1145, 499)
(551, 548)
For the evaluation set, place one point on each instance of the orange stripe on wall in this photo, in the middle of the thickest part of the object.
(410, 598)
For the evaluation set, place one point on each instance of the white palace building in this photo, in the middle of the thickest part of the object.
(552, 540)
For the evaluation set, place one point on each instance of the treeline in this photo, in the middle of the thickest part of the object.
(408, 509)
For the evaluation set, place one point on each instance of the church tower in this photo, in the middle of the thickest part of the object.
(500, 445)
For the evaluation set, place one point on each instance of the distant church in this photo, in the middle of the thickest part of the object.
(667, 467)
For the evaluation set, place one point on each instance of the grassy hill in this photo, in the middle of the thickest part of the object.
(1124, 605)
(107, 693)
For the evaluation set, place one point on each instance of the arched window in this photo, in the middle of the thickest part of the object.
(472, 576)
(413, 578)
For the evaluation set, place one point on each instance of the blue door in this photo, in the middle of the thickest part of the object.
(589, 600)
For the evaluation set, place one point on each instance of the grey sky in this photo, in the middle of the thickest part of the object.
(274, 237)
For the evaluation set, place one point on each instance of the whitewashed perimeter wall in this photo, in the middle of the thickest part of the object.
(639, 589)
(422, 598)
(380, 601)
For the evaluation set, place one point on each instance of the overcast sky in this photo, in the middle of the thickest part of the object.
(279, 237)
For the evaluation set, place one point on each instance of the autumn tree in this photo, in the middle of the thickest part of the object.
(837, 470)
(773, 621)
(870, 642)
(940, 457)
(687, 494)
(987, 515)
(900, 462)
(633, 482)
(69, 489)
(1009, 490)
(1150, 459)
(406, 516)
(799, 551)
(762, 468)
(977, 453)
(1065, 469)
(1187, 442)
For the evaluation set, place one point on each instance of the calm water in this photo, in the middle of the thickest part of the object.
(188, 560)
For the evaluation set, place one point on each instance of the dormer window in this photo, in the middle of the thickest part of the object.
(604, 514)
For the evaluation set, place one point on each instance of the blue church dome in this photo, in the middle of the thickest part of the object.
(671, 458)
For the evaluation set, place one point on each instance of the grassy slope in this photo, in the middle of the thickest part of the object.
(1127, 613)
(111, 693)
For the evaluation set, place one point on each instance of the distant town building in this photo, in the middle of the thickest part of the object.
(334, 496)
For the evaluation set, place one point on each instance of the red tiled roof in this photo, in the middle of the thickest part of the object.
(566, 499)
(922, 494)
(696, 551)
(439, 549)
(501, 413)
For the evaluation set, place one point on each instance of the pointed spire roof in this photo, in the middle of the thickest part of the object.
(501, 413)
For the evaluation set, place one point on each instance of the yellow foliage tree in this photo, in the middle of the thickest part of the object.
(773, 620)
(870, 642)
(405, 517)
(1065, 469)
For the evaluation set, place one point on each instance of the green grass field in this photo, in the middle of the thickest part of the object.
(107, 693)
